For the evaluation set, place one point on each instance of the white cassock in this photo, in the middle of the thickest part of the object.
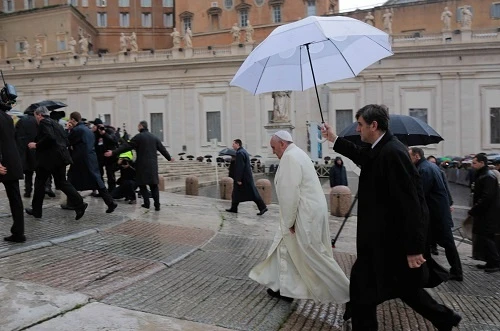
(301, 265)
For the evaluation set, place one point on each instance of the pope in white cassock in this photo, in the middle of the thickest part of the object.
(300, 261)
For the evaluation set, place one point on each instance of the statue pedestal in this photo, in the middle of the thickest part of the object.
(249, 47)
(271, 129)
(447, 36)
(466, 34)
(122, 57)
(28, 62)
(188, 52)
(133, 56)
(176, 54)
(37, 62)
(83, 59)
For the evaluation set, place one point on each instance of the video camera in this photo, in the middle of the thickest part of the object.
(8, 94)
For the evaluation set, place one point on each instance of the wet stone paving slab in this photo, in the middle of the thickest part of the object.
(94, 274)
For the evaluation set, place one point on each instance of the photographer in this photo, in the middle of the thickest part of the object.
(126, 183)
(105, 139)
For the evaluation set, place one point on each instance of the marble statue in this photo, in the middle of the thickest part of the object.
(331, 7)
(466, 18)
(446, 18)
(235, 31)
(72, 46)
(187, 38)
(176, 38)
(38, 49)
(84, 45)
(281, 105)
(123, 42)
(370, 19)
(249, 32)
(27, 49)
(133, 42)
(387, 18)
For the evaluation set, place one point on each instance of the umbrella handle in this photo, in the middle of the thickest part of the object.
(315, 86)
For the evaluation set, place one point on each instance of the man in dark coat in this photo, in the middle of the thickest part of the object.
(26, 129)
(440, 220)
(485, 212)
(52, 157)
(146, 145)
(10, 172)
(244, 187)
(338, 174)
(105, 140)
(392, 226)
(84, 173)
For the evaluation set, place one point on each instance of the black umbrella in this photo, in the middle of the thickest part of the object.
(228, 151)
(410, 131)
(50, 104)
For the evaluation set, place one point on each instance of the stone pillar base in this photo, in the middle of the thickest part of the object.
(188, 53)
(177, 53)
(248, 47)
(83, 59)
(447, 36)
(466, 35)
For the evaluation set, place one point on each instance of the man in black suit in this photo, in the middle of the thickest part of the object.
(11, 171)
(52, 157)
(26, 130)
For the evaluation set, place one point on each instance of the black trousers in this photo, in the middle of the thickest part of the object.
(59, 174)
(155, 193)
(364, 317)
(444, 238)
(110, 174)
(16, 206)
(125, 190)
(490, 250)
(28, 181)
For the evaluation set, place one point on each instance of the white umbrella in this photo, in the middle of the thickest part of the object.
(314, 50)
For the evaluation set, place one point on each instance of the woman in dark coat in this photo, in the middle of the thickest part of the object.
(338, 174)
(146, 145)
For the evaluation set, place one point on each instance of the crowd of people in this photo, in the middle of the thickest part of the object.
(39, 144)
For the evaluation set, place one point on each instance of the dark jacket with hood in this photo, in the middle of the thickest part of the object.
(338, 174)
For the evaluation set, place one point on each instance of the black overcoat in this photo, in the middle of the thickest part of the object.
(486, 203)
(146, 164)
(51, 145)
(26, 130)
(436, 196)
(243, 173)
(9, 156)
(392, 220)
(84, 173)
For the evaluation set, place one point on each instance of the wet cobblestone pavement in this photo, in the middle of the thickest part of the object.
(190, 261)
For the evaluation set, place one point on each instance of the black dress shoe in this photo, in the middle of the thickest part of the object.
(15, 239)
(29, 211)
(145, 206)
(157, 207)
(492, 269)
(453, 321)
(50, 193)
(111, 208)
(231, 210)
(67, 207)
(81, 211)
(458, 278)
(262, 212)
(278, 295)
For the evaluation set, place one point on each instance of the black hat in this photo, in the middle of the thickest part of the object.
(496, 161)
(97, 121)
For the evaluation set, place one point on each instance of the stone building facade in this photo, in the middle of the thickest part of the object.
(450, 80)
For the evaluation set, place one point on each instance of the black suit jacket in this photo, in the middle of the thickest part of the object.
(51, 145)
(9, 156)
